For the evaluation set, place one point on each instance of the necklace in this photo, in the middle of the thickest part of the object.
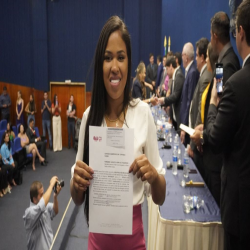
(117, 120)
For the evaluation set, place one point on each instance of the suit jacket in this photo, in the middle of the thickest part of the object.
(159, 73)
(30, 135)
(230, 66)
(151, 73)
(175, 97)
(196, 101)
(195, 109)
(228, 133)
(163, 77)
(188, 91)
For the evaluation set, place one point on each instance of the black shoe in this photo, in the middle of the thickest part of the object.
(51, 148)
(68, 147)
(46, 162)
(43, 163)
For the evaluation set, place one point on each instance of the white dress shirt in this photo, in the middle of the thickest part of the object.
(245, 60)
(173, 78)
(140, 119)
(187, 68)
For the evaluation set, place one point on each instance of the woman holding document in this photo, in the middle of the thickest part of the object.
(112, 106)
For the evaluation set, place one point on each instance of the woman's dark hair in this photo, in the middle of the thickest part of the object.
(32, 104)
(11, 127)
(55, 99)
(19, 128)
(212, 55)
(99, 101)
(2, 142)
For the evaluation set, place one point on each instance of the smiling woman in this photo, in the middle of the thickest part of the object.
(112, 106)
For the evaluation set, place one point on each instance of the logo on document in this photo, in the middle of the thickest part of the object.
(96, 138)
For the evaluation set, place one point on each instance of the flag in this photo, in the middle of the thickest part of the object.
(169, 43)
(165, 45)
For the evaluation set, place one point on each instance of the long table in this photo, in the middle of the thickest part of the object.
(172, 229)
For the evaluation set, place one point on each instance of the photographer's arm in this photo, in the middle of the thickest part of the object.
(47, 194)
(55, 204)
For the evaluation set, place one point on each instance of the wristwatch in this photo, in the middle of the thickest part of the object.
(201, 138)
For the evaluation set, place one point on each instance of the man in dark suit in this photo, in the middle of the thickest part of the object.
(151, 73)
(174, 100)
(191, 79)
(33, 138)
(159, 73)
(228, 133)
(194, 115)
(220, 40)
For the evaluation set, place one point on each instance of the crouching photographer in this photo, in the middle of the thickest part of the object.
(37, 218)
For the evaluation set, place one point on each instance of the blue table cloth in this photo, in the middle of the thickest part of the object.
(172, 209)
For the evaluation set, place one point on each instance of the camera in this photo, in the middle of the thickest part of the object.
(60, 183)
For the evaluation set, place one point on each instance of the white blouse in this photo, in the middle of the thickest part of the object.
(145, 141)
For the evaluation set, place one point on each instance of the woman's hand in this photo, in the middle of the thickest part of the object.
(82, 174)
(143, 169)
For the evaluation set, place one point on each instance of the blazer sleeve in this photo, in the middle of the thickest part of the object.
(29, 134)
(228, 70)
(192, 81)
(137, 91)
(202, 88)
(222, 122)
(176, 94)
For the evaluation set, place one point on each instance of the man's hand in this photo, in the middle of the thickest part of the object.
(13, 164)
(53, 181)
(38, 138)
(153, 83)
(199, 127)
(182, 136)
(214, 96)
(58, 189)
(5, 105)
(196, 137)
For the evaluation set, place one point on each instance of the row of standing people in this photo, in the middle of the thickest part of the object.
(47, 109)
(218, 120)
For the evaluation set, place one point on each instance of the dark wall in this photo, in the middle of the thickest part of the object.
(188, 21)
(43, 41)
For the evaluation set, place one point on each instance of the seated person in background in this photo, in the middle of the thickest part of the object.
(8, 169)
(38, 216)
(3, 183)
(139, 85)
(30, 147)
(6, 153)
(10, 131)
(41, 145)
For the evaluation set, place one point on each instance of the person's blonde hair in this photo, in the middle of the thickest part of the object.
(139, 70)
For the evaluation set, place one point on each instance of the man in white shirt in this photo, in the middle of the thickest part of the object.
(38, 216)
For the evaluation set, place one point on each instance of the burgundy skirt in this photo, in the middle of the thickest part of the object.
(136, 241)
